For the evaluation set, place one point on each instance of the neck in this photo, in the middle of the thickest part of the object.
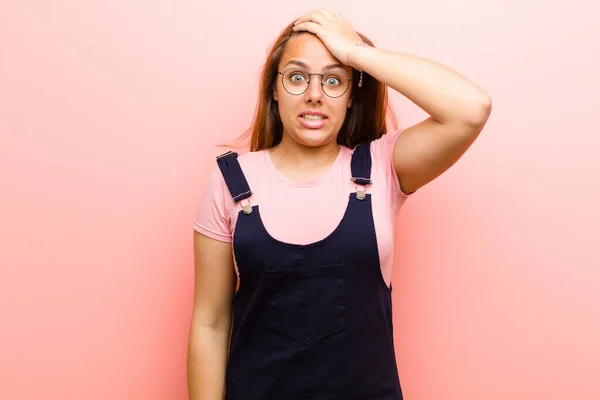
(303, 163)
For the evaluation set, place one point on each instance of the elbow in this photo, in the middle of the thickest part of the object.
(485, 105)
(479, 111)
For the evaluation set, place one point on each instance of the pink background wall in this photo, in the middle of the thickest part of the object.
(109, 111)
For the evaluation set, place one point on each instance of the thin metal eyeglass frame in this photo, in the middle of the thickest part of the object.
(308, 84)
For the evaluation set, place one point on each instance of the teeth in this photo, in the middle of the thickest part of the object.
(312, 117)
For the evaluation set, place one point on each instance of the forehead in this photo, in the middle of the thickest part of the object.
(309, 49)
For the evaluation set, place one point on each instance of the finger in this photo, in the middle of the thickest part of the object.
(313, 17)
(331, 15)
(309, 26)
(319, 19)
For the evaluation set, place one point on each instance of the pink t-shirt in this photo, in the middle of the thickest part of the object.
(306, 212)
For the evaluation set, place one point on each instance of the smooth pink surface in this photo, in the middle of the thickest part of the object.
(108, 116)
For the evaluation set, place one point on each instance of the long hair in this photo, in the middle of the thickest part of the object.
(366, 120)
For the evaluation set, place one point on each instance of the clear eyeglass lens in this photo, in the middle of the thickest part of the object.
(334, 84)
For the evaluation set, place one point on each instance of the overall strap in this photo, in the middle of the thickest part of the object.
(233, 175)
(361, 169)
(361, 164)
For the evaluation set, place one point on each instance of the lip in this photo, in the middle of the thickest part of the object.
(318, 113)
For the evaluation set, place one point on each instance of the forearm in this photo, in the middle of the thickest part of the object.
(207, 361)
(441, 92)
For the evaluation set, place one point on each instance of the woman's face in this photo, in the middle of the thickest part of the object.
(306, 54)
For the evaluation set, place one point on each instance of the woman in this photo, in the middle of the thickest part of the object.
(294, 240)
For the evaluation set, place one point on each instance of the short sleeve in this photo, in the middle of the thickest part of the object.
(382, 150)
(213, 217)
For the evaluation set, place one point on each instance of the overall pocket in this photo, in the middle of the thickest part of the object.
(307, 303)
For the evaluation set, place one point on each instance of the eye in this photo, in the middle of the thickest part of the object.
(297, 77)
(332, 81)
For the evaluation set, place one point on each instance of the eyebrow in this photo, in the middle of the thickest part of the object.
(306, 67)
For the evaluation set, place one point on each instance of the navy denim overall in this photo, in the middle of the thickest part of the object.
(310, 321)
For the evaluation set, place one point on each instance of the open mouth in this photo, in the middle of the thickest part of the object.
(309, 117)
(312, 121)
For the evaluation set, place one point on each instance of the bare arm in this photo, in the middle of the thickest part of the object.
(458, 109)
(214, 285)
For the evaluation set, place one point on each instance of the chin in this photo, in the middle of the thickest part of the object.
(314, 138)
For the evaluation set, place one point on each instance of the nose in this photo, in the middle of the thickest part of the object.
(314, 92)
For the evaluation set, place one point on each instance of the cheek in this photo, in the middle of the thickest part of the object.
(287, 107)
(341, 110)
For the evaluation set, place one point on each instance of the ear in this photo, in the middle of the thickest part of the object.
(350, 103)
(275, 95)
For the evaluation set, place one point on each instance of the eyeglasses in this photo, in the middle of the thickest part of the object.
(296, 81)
